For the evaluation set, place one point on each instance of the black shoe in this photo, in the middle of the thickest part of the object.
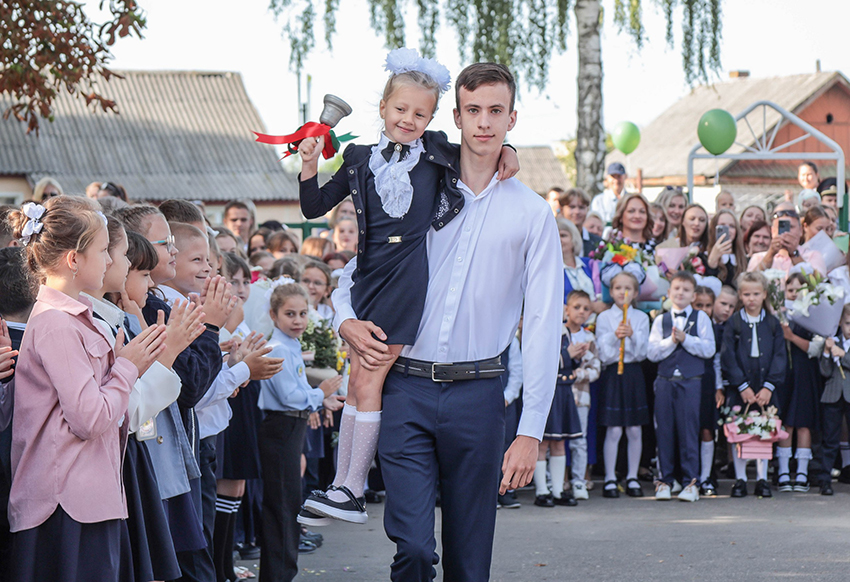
(801, 485)
(707, 489)
(351, 510)
(739, 489)
(372, 497)
(763, 489)
(566, 499)
(307, 517)
(826, 488)
(509, 500)
(610, 493)
(633, 488)
(306, 547)
(248, 551)
(313, 537)
(845, 475)
(544, 501)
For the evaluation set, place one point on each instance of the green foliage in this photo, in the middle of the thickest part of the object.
(522, 34)
(567, 156)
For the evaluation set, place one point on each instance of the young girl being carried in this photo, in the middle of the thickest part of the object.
(623, 401)
(67, 506)
(753, 359)
(401, 188)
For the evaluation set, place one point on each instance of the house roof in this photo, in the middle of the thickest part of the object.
(179, 134)
(540, 170)
(668, 139)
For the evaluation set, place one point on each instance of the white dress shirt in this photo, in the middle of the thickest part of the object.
(608, 344)
(700, 345)
(503, 247)
(514, 385)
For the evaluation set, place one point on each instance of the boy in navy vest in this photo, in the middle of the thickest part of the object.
(681, 341)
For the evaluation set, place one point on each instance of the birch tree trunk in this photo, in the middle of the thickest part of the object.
(590, 133)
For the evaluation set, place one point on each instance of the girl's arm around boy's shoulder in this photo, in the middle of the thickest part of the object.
(317, 201)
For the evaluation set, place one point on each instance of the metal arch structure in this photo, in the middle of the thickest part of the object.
(763, 149)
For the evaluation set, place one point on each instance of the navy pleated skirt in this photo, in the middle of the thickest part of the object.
(563, 422)
(70, 551)
(622, 398)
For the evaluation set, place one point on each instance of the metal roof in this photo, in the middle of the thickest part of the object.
(540, 170)
(179, 134)
(666, 141)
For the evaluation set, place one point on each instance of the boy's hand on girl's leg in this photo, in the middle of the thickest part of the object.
(359, 335)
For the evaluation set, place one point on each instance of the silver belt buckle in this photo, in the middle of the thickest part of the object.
(434, 371)
(393, 239)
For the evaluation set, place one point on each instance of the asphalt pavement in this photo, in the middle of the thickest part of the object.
(799, 536)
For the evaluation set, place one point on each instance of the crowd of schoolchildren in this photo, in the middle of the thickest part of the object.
(147, 428)
(670, 373)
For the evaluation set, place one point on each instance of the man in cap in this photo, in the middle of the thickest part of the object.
(615, 182)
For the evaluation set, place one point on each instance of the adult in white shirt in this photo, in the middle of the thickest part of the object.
(605, 204)
(440, 429)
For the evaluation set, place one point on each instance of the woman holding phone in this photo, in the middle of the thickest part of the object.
(785, 251)
(726, 258)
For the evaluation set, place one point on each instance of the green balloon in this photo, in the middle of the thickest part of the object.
(717, 131)
(626, 137)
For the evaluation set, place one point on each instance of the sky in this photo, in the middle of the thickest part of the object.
(765, 37)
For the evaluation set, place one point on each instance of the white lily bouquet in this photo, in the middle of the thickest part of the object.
(818, 305)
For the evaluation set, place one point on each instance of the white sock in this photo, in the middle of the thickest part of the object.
(803, 456)
(558, 469)
(612, 444)
(845, 453)
(740, 468)
(367, 426)
(633, 433)
(343, 447)
(540, 479)
(783, 456)
(761, 469)
(706, 458)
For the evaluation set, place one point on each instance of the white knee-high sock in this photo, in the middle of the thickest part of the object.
(761, 469)
(540, 479)
(343, 447)
(783, 456)
(803, 456)
(706, 458)
(634, 434)
(367, 427)
(740, 468)
(558, 470)
(612, 444)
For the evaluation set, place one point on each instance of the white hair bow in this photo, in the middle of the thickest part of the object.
(402, 60)
(34, 225)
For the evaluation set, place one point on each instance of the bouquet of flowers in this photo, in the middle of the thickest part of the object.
(817, 307)
(693, 263)
(619, 254)
(320, 339)
(754, 432)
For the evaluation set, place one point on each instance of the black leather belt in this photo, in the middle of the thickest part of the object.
(450, 372)
(292, 413)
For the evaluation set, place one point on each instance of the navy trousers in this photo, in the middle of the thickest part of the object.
(833, 414)
(677, 404)
(448, 435)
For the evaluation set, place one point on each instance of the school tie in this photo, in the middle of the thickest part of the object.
(753, 321)
(402, 149)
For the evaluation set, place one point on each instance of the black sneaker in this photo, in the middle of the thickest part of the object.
(307, 517)
(351, 510)
(544, 500)
(566, 499)
(313, 537)
(707, 489)
(763, 489)
(509, 500)
(739, 489)
(306, 547)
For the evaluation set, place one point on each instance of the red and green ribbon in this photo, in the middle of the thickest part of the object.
(309, 129)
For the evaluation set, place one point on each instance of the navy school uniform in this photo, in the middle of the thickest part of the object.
(712, 381)
(392, 259)
(740, 369)
(563, 422)
(240, 451)
(801, 393)
(622, 398)
(835, 401)
(678, 388)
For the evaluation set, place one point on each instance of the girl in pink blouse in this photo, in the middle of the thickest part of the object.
(67, 505)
